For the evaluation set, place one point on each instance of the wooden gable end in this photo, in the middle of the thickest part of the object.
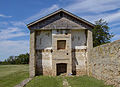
(60, 20)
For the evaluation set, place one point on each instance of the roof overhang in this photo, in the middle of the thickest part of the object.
(60, 10)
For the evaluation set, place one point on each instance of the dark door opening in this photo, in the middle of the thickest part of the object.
(61, 68)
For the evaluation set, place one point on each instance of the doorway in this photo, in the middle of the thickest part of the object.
(61, 68)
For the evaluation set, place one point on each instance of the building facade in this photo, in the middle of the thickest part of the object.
(60, 43)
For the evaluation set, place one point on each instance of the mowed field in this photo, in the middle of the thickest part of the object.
(74, 81)
(11, 75)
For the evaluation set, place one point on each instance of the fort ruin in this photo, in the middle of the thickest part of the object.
(61, 42)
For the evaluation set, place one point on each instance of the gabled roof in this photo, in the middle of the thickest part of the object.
(60, 10)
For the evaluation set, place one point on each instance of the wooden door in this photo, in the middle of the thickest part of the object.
(61, 68)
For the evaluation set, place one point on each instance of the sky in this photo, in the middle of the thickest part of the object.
(15, 14)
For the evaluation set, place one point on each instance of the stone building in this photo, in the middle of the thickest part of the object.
(60, 43)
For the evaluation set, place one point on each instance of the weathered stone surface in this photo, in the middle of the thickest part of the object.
(44, 62)
(78, 38)
(47, 56)
(32, 60)
(104, 62)
(43, 39)
(44, 48)
(61, 56)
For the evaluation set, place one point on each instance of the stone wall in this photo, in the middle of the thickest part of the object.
(104, 62)
(79, 40)
(79, 61)
(43, 39)
(62, 55)
(43, 52)
(32, 61)
(74, 55)
(44, 62)
(48, 31)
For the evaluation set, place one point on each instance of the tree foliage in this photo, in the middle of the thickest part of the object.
(101, 34)
(21, 59)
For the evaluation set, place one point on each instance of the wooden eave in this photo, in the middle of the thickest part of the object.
(60, 10)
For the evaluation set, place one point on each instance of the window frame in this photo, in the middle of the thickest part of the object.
(59, 46)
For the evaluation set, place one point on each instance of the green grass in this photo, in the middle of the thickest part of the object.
(45, 81)
(11, 75)
(81, 81)
(85, 81)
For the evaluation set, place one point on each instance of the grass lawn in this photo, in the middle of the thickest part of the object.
(81, 81)
(45, 81)
(85, 81)
(11, 75)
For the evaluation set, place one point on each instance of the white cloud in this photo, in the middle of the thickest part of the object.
(4, 16)
(12, 48)
(11, 33)
(95, 6)
(115, 24)
(113, 17)
(116, 37)
(115, 30)
(43, 12)
(3, 23)
(93, 18)
(17, 23)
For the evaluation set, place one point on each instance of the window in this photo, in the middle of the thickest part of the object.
(61, 44)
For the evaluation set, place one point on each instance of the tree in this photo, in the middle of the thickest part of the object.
(101, 34)
(20, 59)
(23, 58)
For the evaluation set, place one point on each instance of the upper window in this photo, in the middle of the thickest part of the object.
(61, 44)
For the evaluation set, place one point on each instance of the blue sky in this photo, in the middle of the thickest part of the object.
(15, 14)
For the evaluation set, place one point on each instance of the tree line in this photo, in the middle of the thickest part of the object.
(20, 59)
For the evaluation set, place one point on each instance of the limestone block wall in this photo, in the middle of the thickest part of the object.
(61, 56)
(105, 62)
(79, 61)
(43, 52)
(47, 53)
(43, 39)
(44, 62)
(32, 61)
(78, 38)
